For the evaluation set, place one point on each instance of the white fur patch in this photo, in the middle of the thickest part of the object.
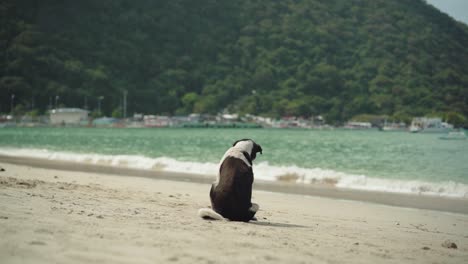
(236, 152)
(210, 213)
(254, 207)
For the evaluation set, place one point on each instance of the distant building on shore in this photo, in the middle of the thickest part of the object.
(67, 116)
(156, 121)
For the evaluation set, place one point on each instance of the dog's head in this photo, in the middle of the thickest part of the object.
(248, 146)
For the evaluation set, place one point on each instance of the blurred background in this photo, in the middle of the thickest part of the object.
(339, 77)
(331, 60)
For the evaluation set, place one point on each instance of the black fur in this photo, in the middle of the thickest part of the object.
(231, 196)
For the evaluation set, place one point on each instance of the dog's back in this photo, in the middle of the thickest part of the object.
(231, 196)
(232, 192)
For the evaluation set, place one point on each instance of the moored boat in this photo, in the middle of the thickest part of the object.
(454, 135)
(429, 125)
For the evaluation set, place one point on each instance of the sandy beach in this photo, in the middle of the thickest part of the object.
(70, 216)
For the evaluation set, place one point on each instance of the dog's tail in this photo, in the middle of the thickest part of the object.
(208, 213)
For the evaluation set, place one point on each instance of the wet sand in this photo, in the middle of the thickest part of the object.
(71, 213)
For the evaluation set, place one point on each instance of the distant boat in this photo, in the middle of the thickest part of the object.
(394, 126)
(414, 128)
(358, 125)
(454, 135)
(429, 125)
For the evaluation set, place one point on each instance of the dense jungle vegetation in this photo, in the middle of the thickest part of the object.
(334, 58)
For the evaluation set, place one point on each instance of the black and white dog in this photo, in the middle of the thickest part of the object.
(232, 192)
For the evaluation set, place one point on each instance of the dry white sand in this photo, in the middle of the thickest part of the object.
(55, 216)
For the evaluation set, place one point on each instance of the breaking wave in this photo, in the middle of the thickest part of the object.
(263, 171)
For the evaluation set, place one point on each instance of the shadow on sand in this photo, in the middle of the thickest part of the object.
(277, 224)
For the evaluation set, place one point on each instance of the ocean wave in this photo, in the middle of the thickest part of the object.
(263, 171)
(126, 161)
(337, 179)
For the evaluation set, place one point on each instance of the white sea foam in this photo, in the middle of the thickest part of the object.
(127, 161)
(263, 171)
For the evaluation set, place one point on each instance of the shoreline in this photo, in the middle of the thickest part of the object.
(427, 202)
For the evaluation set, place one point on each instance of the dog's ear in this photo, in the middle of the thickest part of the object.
(259, 148)
(256, 148)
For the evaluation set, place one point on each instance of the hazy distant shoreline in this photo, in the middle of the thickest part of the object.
(454, 205)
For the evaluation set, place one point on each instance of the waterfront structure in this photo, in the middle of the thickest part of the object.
(67, 116)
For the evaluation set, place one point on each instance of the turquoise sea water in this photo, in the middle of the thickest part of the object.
(390, 161)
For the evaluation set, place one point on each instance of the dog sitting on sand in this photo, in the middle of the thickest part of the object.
(231, 194)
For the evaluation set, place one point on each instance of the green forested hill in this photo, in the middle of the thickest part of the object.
(336, 58)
